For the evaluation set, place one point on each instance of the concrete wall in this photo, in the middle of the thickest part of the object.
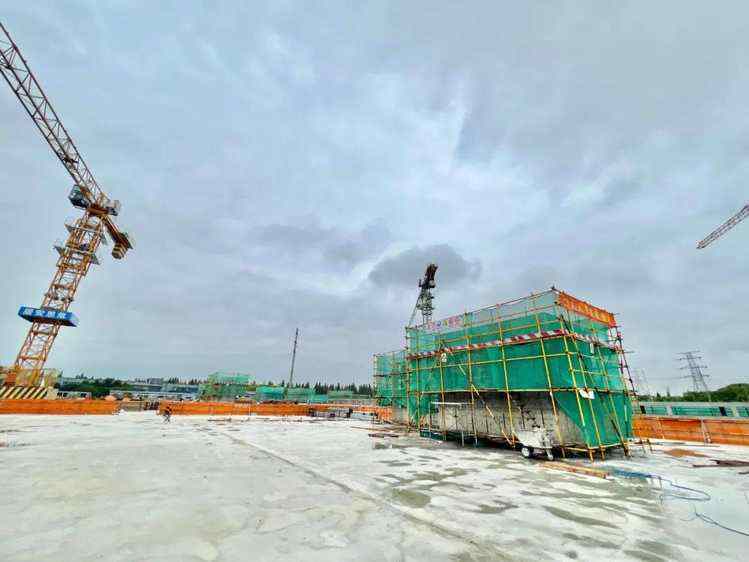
(529, 409)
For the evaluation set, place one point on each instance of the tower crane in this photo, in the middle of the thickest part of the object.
(425, 298)
(85, 234)
(723, 228)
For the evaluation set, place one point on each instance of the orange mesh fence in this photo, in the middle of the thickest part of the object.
(58, 407)
(244, 409)
(236, 409)
(731, 432)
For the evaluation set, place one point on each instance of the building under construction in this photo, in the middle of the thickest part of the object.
(225, 387)
(546, 372)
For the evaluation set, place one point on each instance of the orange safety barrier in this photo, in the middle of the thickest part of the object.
(705, 430)
(236, 409)
(244, 409)
(59, 407)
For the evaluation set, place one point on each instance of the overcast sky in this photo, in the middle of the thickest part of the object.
(290, 164)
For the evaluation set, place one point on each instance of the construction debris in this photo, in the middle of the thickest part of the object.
(678, 453)
(722, 463)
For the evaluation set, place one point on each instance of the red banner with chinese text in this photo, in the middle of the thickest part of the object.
(581, 307)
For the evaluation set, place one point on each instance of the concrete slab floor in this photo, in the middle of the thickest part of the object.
(130, 487)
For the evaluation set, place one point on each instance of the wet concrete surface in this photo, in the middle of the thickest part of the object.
(130, 487)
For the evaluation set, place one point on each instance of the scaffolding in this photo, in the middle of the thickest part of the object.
(299, 395)
(546, 362)
(267, 393)
(224, 387)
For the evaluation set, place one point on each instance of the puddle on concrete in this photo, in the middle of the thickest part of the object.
(568, 515)
(431, 477)
(657, 549)
(590, 541)
(393, 480)
(411, 498)
(396, 463)
(377, 445)
(514, 467)
(458, 487)
(644, 556)
(439, 476)
(498, 507)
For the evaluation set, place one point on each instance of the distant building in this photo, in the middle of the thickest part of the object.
(156, 392)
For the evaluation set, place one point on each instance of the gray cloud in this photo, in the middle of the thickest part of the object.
(306, 238)
(282, 166)
(407, 267)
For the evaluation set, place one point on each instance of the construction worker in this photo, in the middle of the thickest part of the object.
(167, 414)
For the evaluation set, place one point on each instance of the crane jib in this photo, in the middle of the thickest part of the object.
(86, 193)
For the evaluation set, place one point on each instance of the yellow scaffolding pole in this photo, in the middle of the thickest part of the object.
(507, 381)
(548, 379)
(470, 378)
(589, 398)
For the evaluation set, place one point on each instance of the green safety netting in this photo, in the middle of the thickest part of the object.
(297, 394)
(224, 386)
(700, 411)
(390, 380)
(264, 393)
(564, 363)
(229, 378)
(655, 410)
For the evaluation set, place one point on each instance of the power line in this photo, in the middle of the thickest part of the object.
(693, 365)
(642, 385)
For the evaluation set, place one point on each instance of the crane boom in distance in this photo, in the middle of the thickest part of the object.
(723, 228)
(425, 298)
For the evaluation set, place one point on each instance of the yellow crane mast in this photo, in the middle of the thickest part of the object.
(85, 234)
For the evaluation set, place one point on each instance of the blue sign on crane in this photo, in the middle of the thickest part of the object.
(48, 316)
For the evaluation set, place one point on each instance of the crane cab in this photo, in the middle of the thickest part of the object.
(79, 201)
